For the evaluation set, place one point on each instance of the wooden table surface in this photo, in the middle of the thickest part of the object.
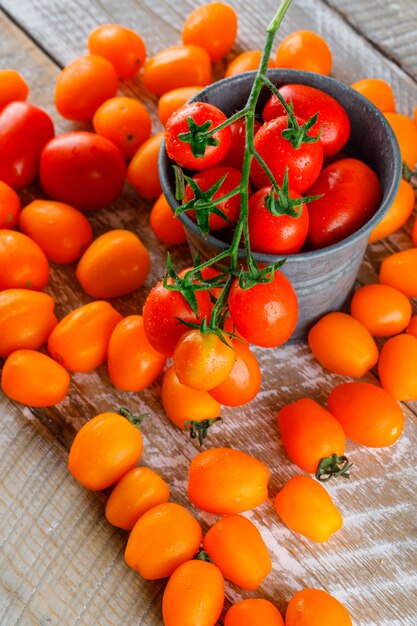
(61, 562)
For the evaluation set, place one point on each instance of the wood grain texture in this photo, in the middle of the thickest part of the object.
(62, 563)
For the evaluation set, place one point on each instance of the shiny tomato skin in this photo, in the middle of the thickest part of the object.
(213, 26)
(12, 87)
(399, 270)
(351, 195)
(175, 67)
(172, 100)
(303, 165)
(24, 131)
(333, 121)
(406, 133)
(82, 169)
(253, 612)
(378, 91)
(165, 225)
(304, 50)
(315, 607)
(246, 62)
(274, 234)
(397, 367)
(180, 151)
(243, 382)
(142, 171)
(383, 310)
(9, 206)
(398, 213)
(23, 263)
(123, 47)
(235, 154)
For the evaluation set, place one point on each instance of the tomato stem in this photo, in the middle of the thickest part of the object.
(198, 430)
(136, 420)
(333, 465)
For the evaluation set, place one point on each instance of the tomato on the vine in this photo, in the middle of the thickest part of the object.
(235, 154)
(243, 382)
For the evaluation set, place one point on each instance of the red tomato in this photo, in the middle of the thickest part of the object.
(351, 195)
(24, 130)
(303, 163)
(332, 121)
(180, 151)
(235, 154)
(22, 262)
(276, 234)
(267, 313)
(9, 206)
(82, 169)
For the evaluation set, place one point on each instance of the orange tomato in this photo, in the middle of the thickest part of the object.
(175, 67)
(170, 101)
(121, 46)
(133, 363)
(125, 122)
(304, 50)
(378, 91)
(60, 230)
(343, 345)
(414, 233)
(246, 62)
(83, 85)
(213, 26)
(194, 595)
(400, 271)
(33, 378)
(310, 434)
(104, 450)
(142, 171)
(12, 87)
(398, 367)
(115, 264)
(305, 507)
(162, 538)
(383, 310)
(9, 205)
(314, 607)
(224, 481)
(368, 414)
(138, 491)
(165, 225)
(253, 612)
(243, 382)
(80, 340)
(236, 547)
(398, 213)
(26, 319)
(412, 327)
(406, 132)
(23, 264)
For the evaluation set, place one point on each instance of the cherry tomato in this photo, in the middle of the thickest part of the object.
(368, 414)
(80, 340)
(412, 327)
(183, 404)
(267, 313)
(384, 311)
(253, 612)
(397, 367)
(309, 434)
(162, 538)
(378, 91)
(133, 363)
(304, 50)
(9, 206)
(23, 264)
(125, 122)
(24, 131)
(180, 151)
(103, 450)
(138, 491)
(351, 193)
(246, 62)
(406, 132)
(236, 547)
(343, 345)
(33, 378)
(414, 233)
(276, 234)
(303, 164)
(194, 595)
(332, 123)
(83, 85)
(61, 231)
(12, 87)
(172, 100)
(213, 26)
(235, 154)
(82, 169)
(243, 382)
(314, 607)
(399, 271)
(165, 225)
(398, 213)
(115, 264)
(305, 507)
(223, 481)
(175, 67)
(121, 46)
(26, 319)
(205, 180)
(142, 172)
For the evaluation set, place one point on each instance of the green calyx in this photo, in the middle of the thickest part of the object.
(280, 203)
(203, 556)
(331, 466)
(136, 420)
(198, 430)
(298, 135)
(198, 137)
